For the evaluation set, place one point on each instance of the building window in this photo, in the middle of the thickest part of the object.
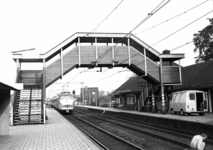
(117, 100)
(130, 100)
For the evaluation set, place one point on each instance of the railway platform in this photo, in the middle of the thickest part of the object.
(194, 123)
(57, 133)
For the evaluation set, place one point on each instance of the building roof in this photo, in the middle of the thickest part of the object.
(134, 84)
(197, 76)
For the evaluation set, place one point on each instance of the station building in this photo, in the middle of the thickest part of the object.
(135, 93)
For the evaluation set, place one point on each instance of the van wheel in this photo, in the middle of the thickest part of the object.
(189, 114)
(172, 111)
(182, 112)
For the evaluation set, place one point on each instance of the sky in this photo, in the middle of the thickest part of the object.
(42, 24)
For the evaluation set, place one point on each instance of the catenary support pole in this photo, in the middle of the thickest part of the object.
(62, 65)
(153, 99)
(44, 91)
(128, 41)
(163, 111)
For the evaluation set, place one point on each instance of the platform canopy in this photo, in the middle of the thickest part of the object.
(9, 86)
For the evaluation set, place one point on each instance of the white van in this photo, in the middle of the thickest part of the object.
(187, 102)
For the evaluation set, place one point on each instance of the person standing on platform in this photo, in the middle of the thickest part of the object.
(197, 141)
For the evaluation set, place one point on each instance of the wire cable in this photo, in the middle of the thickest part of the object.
(77, 75)
(150, 14)
(182, 28)
(105, 18)
(172, 18)
(156, 9)
(135, 64)
(181, 46)
(122, 70)
(108, 76)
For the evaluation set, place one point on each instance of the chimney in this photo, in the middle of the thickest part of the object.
(166, 51)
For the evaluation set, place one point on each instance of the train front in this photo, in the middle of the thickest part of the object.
(66, 103)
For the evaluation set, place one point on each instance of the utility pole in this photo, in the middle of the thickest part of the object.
(82, 83)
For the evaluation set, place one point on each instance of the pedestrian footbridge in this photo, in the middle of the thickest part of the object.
(90, 50)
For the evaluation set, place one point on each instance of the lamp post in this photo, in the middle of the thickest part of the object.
(83, 96)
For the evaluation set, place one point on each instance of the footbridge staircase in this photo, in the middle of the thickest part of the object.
(28, 103)
(105, 50)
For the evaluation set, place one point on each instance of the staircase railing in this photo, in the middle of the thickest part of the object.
(15, 96)
(30, 105)
(42, 100)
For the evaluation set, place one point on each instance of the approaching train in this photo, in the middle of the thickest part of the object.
(64, 102)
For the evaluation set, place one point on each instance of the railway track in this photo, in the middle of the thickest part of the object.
(172, 136)
(106, 140)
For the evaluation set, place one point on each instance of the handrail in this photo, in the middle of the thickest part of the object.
(14, 99)
(16, 81)
(42, 100)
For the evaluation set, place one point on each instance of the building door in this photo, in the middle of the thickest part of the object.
(210, 97)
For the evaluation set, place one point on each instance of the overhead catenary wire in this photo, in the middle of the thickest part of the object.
(116, 73)
(181, 46)
(77, 75)
(173, 33)
(105, 18)
(136, 55)
(182, 28)
(108, 76)
(136, 64)
(122, 70)
(172, 18)
(155, 10)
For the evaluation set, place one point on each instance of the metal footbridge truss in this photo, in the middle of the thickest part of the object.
(106, 50)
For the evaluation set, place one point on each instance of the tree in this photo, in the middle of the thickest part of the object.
(203, 41)
(104, 98)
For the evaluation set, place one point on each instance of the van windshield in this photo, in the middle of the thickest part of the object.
(192, 96)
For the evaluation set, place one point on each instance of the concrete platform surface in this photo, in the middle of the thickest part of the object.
(56, 134)
(206, 119)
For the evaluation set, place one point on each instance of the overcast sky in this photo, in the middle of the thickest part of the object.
(42, 24)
